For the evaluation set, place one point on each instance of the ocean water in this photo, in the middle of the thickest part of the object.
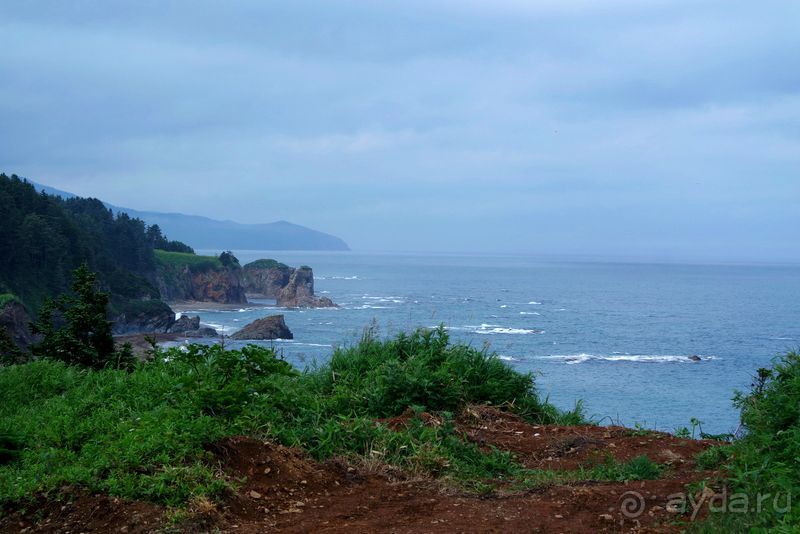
(619, 336)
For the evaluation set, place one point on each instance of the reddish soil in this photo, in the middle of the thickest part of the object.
(283, 490)
(76, 511)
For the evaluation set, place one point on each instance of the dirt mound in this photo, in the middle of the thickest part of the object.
(75, 510)
(569, 447)
(280, 489)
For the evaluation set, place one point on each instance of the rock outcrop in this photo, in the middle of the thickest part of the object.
(142, 316)
(181, 283)
(208, 281)
(185, 323)
(14, 319)
(265, 278)
(299, 292)
(291, 288)
(271, 327)
(190, 327)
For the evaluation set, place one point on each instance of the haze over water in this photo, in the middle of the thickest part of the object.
(620, 336)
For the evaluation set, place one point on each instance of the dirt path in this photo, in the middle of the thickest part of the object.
(285, 491)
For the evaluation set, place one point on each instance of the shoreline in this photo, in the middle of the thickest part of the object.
(197, 305)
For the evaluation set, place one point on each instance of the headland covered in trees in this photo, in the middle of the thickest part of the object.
(45, 237)
(411, 433)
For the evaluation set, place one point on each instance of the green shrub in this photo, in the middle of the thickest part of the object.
(383, 378)
(144, 434)
(266, 264)
(766, 460)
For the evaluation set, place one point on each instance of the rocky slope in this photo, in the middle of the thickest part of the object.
(14, 319)
(142, 316)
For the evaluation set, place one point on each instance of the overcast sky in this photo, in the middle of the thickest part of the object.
(665, 129)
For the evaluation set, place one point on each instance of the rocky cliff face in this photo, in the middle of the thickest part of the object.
(142, 316)
(14, 319)
(265, 282)
(212, 285)
(299, 292)
(291, 288)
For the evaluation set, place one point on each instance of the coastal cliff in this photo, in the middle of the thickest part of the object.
(188, 277)
(291, 288)
(141, 316)
(185, 277)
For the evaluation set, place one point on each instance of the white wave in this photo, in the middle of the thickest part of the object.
(394, 300)
(370, 307)
(571, 359)
(299, 344)
(529, 313)
(508, 358)
(492, 329)
(324, 292)
(221, 328)
(534, 302)
(504, 306)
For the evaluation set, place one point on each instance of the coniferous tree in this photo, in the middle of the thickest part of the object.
(75, 328)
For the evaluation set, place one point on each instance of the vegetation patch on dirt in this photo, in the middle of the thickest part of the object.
(411, 434)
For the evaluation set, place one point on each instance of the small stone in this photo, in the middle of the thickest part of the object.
(255, 495)
(559, 516)
(606, 517)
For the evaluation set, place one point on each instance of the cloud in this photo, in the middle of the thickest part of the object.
(600, 124)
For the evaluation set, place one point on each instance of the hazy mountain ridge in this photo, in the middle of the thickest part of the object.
(206, 233)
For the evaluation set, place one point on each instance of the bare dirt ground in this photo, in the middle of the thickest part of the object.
(282, 490)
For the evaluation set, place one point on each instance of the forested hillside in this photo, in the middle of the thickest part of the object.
(44, 238)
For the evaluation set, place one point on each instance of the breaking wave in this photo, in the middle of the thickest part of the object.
(572, 359)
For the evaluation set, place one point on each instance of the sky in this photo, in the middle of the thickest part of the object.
(625, 128)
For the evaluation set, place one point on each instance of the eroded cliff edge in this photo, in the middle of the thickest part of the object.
(291, 288)
(188, 277)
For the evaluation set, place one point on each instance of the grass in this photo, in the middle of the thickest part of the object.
(5, 298)
(607, 470)
(266, 264)
(144, 434)
(193, 261)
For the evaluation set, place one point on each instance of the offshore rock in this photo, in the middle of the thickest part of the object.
(272, 327)
(185, 323)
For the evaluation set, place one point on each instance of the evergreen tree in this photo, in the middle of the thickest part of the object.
(75, 328)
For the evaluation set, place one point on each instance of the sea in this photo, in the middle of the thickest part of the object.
(648, 344)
